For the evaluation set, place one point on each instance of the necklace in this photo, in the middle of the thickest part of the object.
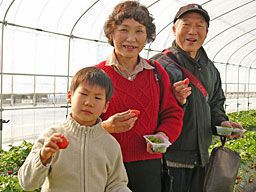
(125, 72)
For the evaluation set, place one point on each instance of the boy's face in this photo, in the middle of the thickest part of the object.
(87, 103)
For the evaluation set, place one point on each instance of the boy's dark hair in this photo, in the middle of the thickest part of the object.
(130, 10)
(93, 76)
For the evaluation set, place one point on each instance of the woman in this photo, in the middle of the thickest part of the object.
(128, 29)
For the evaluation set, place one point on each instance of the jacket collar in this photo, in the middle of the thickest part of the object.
(201, 57)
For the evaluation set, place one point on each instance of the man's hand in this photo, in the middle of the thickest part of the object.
(181, 91)
(120, 122)
(234, 125)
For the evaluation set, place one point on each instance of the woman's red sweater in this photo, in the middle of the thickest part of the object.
(143, 94)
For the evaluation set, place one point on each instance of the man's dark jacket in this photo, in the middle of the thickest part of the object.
(202, 113)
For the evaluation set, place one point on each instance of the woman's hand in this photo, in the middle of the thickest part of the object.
(120, 122)
(160, 135)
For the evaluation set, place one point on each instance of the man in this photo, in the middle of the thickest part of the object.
(187, 157)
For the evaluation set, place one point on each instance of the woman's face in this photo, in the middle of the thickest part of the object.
(129, 38)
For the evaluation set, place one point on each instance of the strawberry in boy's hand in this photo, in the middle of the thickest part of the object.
(186, 81)
(135, 111)
(64, 143)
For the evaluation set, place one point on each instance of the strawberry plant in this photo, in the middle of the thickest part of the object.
(10, 162)
(12, 159)
(246, 118)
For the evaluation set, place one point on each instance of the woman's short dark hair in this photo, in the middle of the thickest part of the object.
(93, 76)
(130, 10)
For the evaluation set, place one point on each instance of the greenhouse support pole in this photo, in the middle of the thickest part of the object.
(1, 85)
(1, 128)
(69, 45)
(1, 72)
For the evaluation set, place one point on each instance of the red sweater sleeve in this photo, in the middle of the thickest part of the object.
(171, 114)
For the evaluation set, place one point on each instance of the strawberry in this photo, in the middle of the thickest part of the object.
(186, 81)
(135, 111)
(9, 172)
(64, 143)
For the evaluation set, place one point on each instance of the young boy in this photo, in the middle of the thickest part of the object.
(92, 162)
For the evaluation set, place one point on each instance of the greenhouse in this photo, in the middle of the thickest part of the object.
(44, 42)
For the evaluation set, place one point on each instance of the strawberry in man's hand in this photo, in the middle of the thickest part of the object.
(64, 143)
(186, 81)
(135, 111)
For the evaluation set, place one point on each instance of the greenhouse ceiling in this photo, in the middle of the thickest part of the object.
(231, 38)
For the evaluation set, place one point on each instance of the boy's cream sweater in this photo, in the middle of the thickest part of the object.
(91, 163)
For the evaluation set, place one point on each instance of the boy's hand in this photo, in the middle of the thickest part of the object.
(50, 147)
(181, 91)
(120, 122)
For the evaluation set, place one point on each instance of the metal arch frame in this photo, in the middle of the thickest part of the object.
(239, 48)
(248, 82)
(153, 3)
(232, 26)
(252, 63)
(149, 49)
(70, 36)
(232, 10)
(247, 56)
(69, 44)
(1, 72)
(232, 41)
(149, 46)
(228, 63)
(238, 75)
(63, 14)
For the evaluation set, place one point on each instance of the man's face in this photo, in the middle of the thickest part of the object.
(190, 32)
